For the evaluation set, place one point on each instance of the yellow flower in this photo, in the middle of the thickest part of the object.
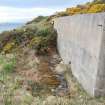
(8, 46)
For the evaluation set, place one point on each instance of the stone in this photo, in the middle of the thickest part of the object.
(49, 100)
(9, 56)
(61, 68)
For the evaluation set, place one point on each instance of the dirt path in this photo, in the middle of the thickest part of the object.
(38, 73)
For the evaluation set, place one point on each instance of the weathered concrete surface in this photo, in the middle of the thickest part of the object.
(81, 40)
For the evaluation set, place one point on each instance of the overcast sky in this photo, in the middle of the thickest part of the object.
(24, 10)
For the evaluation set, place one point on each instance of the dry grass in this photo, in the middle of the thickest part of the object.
(33, 86)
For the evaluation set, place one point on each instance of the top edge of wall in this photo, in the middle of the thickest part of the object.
(87, 14)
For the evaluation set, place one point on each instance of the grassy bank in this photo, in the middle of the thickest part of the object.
(37, 34)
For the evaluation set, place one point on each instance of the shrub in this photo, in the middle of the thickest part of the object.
(90, 7)
(38, 34)
(73, 10)
(8, 47)
(97, 8)
(43, 32)
(59, 14)
(35, 42)
(9, 67)
(38, 19)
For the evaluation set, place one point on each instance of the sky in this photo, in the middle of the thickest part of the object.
(25, 10)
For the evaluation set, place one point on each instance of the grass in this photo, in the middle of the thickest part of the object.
(40, 34)
(37, 34)
(7, 64)
(14, 93)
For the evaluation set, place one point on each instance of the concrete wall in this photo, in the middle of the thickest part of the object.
(81, 40)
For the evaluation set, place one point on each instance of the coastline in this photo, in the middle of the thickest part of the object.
(9, 26)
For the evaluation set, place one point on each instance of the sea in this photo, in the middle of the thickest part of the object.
(9, 26)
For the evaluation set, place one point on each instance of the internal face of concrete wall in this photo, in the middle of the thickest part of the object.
(80, 41)
(100, 80)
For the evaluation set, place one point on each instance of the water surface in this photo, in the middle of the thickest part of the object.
(9, 26)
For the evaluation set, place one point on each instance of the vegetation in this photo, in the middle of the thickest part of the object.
(7, 64)
(37, 34)
(26, 80)
(90, 7)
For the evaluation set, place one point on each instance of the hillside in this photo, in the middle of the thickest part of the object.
(90, 7)
(31, 70)
(37, 34)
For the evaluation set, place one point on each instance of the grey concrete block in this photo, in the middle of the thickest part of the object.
(81, 40)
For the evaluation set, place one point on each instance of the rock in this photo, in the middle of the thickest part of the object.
(60, 91)
(56, 59)
(63, 71)
(49, 100)
(61, 68)
(9, 56)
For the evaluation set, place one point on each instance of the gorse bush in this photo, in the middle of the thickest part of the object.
(74, 10)
(90, 7)
(94, 8)
(97, 8)
(8, 46)
(37, 34)
(43, 32)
